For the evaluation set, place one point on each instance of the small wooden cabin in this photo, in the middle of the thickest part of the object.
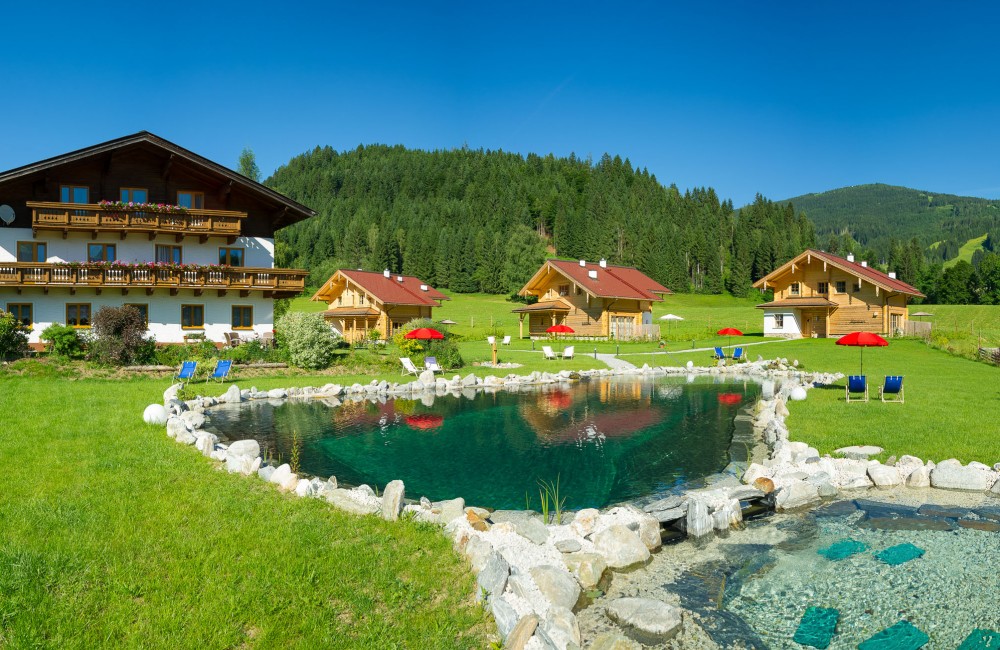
(818, 294)
(361, 301)
(595, 299)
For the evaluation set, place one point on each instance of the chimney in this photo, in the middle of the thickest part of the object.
(864, 263)
(592, 274)
(583, 262)
(850, 257)
(892, 274)
(386, 273)
(603, 263)
(399, 278)
(423, 287)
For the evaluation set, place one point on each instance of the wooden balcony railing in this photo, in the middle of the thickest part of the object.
(276, 282)
(90, 217)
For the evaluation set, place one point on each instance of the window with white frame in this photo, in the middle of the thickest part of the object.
(779, 321)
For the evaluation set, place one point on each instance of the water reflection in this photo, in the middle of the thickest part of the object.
(607, 439)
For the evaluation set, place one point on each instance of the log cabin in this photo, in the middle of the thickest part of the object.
(142, 221)
(818, 294)
(595, 299)
(360, 302)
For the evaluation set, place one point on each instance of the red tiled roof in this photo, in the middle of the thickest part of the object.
(612, 281)
(393, 292)
(876, 276)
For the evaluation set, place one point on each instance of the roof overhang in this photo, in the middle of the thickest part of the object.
(797, 303)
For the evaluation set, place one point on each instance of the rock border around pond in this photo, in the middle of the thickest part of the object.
(533, 576)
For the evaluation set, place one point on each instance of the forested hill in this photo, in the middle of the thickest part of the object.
(474, 220)
(875, 214)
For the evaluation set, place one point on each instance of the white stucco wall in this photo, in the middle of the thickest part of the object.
(791, 327)
(259, 251)
(164, 310)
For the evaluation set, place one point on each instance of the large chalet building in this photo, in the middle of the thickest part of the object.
(141, 221)
(818, 294)
(595, 299)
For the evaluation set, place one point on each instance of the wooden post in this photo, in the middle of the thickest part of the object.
(494, 346)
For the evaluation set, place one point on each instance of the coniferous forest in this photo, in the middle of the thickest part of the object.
(483, 221)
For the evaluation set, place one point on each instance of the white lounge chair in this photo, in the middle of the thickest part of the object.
(548, 353)
(506, 341)
(491, 340)
(408, 367)
(431, 363)
(568, 352)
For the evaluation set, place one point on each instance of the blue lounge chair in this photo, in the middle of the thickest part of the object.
(222, 368)
(857, 385)
(719, 354)
(893, 386)
(186, 371)
(431, 363)
(738, 355)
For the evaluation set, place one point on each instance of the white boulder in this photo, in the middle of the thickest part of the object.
(155, 414)
(620, 546)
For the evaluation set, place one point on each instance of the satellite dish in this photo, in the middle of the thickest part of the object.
(6, 214)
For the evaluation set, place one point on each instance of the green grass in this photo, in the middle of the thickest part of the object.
(302, 303)
(112, 535)
(966, 252)
(947, 400)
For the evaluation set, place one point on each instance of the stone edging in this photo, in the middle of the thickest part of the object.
(531, 575)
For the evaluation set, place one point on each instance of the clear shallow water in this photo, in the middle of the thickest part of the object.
(607, 440)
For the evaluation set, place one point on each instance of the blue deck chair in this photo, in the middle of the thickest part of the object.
(222, 367)
(738, 355)
(893, 386)
(186, 371)
(719, 354)
(431, 363)
(857, 385)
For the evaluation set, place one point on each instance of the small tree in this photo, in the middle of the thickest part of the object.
(120, 337)
(13, 337)
(247, 164)
(310, 341)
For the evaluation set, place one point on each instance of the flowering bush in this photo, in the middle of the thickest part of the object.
(121, 206)
(310, 341)
(152, 266)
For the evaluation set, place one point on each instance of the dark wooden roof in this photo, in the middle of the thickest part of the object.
(550, 305)
(286, 210)
(798, 302)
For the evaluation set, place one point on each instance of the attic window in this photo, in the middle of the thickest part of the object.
(563, 289)
(579, 290)
(793, 288)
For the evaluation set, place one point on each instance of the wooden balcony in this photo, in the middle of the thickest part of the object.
(275, 283)
(92, 218)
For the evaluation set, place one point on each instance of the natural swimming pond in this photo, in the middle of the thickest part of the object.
(606, 439)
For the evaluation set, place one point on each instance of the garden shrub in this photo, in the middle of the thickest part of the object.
(63, 340)
(13, 337)
(120, 337)
(444, 350)
(309, 340)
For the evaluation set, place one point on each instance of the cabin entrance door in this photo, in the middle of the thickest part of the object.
(622, 327)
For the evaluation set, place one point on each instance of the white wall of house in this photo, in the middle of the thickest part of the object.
(790, 326)
(137, 247)
(164, 310)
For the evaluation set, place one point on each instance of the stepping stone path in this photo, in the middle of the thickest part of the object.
(900, 554)
(842, 549)
(817, 627)
(901, 636)
(981, 640)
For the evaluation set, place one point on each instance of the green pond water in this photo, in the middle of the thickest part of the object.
(607, 440)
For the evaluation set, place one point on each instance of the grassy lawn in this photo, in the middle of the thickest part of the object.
(111, 534)
(947, 400)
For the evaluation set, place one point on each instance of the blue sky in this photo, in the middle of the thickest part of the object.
(746, 97)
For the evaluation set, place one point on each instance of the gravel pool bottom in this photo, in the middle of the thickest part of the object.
(605, 439)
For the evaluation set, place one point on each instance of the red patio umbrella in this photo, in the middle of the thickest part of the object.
(424, 333)
(560, 329)
(425, 421)
(730, 398)
(863, 340)
(730, 332)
